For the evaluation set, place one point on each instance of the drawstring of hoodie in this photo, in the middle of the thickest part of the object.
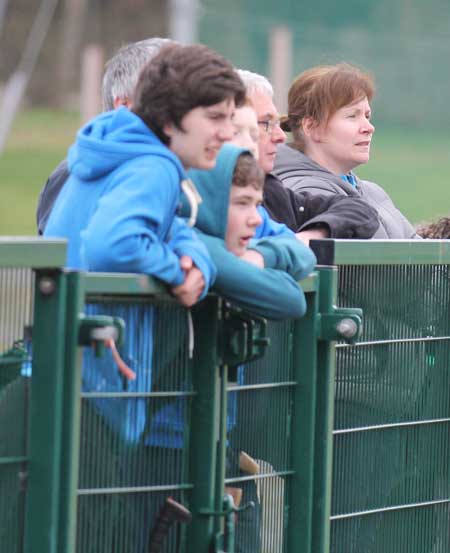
(194, 199)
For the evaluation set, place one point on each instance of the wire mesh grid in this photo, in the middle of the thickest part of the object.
(16, 312)
(134, 433)
(259, 415)
(391, 468)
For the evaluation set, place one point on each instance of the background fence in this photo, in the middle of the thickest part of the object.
(384, 37)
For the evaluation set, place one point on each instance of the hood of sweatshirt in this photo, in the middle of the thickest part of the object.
(214, 187)
(109, 140)
(290, 162)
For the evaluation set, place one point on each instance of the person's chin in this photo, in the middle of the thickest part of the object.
(207, 163)
(364, 158)
(267, 165)
(239, 251)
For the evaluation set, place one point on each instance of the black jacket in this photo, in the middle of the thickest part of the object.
(49, 193)
(345, 217)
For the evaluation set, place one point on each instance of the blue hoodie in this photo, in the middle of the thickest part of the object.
(117, 209)
(271, 292)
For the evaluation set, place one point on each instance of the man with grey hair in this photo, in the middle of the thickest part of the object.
(123, 69)
(309, 216)
(119, 81)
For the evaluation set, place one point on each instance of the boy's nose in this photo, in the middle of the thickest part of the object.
(226, 132)
(255, 219)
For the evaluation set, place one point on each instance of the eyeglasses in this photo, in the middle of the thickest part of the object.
(269, 125)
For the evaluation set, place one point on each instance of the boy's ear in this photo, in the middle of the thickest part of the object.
(168, 129)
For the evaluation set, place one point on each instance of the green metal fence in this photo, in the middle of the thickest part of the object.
(391, 468)
(226, 402)
(95, 485)
(188, 443)
(17, 257)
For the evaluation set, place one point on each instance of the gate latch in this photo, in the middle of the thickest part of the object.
(245, 337)
(100, 331)
(224, 543)
(343, 323)
(99, 328)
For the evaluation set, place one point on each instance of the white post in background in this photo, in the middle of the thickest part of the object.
(280, 64)
(183, 20)
(91, 80)
(16, 86)
(3, 9)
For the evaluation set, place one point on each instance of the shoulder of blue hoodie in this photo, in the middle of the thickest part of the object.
(271, 292)
(117, 209)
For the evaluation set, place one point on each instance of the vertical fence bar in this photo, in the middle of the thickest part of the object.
(41, 524)
(204, 429)
(71, 417)
(324, 420)
(300, 488)
(221, 450)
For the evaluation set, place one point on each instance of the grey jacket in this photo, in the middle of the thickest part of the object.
(300, 173)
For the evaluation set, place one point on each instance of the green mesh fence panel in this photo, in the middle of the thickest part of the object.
(16, 291)
(259, 418)
(134, 435)
(391, 469)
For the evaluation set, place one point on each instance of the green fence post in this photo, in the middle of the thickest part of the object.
(326, 361)
(300, 484)
(204, 427)
(42, 508)
(71, 417)
(221, 460)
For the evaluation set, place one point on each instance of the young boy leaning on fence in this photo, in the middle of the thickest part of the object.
(266, 283)
(117, 209)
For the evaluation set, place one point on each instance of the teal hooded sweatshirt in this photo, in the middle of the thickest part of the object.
(271, 292)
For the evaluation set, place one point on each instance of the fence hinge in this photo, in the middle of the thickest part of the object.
(343, 323)
(244, 337)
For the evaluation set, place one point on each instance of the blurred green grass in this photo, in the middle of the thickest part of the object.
(412, 166)
(38, 142)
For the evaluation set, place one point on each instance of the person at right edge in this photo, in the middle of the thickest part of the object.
(329, 116)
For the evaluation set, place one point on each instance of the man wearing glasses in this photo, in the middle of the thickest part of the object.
(309, 216)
